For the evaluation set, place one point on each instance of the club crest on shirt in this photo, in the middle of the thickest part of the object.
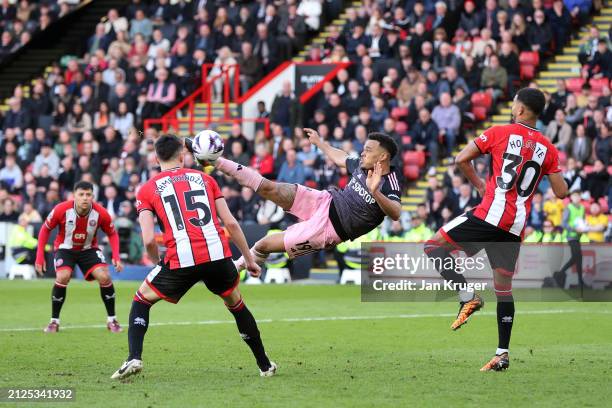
(92, 223)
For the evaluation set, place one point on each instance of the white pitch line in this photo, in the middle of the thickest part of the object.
(315, 319)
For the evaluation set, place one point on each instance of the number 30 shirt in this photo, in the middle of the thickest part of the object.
(184, 202)
(520, 156)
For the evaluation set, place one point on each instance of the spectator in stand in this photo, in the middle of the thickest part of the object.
(250, 67)
(425, 134)
(602, 146)
(285, 108)
(559, 132)
(263, 161)
(581, 147)
(141, 24)
(600, 66)
(539, 34)
(11, 176)
(448, 119)
(494, 78)
(265, 48)
(161, 95)
(292, 170)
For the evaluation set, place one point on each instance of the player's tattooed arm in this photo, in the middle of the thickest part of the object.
(147, 225)
(336, 155)
(464, 163)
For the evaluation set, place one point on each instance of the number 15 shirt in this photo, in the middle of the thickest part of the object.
(184, 202)
(520, 156)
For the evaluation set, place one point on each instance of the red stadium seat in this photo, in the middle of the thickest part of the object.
(528, 72)
(414, 158)
(398, 113)
(406, 140)
(401, 128)
(562, 158)
(574, 84)
(411, 172)
(603, 202)
(529, 58)
(480, 113)
(482, 99)
(598, 83)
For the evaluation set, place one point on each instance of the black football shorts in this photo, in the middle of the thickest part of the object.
(220, 277)
(471, 234)
(87, 260)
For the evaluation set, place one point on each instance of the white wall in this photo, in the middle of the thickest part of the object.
(267, 94)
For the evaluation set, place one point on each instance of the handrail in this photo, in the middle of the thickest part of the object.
(207, 121)
(205, 92)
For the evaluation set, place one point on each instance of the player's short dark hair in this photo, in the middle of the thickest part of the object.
(385, 141)
(83, 185)
(533, 99)
(167, 147)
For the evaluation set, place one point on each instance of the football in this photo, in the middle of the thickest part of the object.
(206, 146)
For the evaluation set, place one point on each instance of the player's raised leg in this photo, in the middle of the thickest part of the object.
(144, 298)
(107, 292)
(263, 248)
(247, 327)
(282, 194)
(438, 249)
(502, 281)
(58, 297)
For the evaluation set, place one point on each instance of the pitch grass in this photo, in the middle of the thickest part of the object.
(558, 359)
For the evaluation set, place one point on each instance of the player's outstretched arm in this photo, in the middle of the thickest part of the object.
(336, 155)
(558, 184)
(392, 209)
(147, 225)
(237, 236)
(464, 163)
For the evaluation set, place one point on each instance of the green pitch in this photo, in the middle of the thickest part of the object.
(332, 350)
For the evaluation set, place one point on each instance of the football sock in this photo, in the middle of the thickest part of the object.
(505, 318)
(139, 322)
(108, 297)
(58, 296)
(444, 263)
(247, 327)
(244, 175)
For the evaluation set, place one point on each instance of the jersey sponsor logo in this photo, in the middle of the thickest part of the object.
(361, 191)
(80, 236)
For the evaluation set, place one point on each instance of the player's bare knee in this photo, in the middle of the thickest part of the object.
(502, 283)
(102, 276)
(262, 246)
(232, 298)
(145, 294)
(63, 277)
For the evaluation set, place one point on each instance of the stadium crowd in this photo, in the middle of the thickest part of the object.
(415, 68)
(20, 20)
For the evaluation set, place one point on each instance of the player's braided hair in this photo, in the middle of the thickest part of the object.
(386, 142)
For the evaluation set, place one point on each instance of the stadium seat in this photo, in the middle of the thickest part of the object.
(562, 158)
(277, 275)
(529, 58)
(574, 84)
(414, 158)
(527, 72)
(480, 113)
(27, 272)
(482, 99)
(603, 202)
(401, 128)
(411, 172)
(406, 140)
(352, 276)
(398, 113)
(597, 84)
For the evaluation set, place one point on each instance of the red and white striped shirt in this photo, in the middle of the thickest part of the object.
(520, 156)
(78, 232)
(184, 202)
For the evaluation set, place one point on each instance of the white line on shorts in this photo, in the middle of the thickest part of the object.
(315, 319)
